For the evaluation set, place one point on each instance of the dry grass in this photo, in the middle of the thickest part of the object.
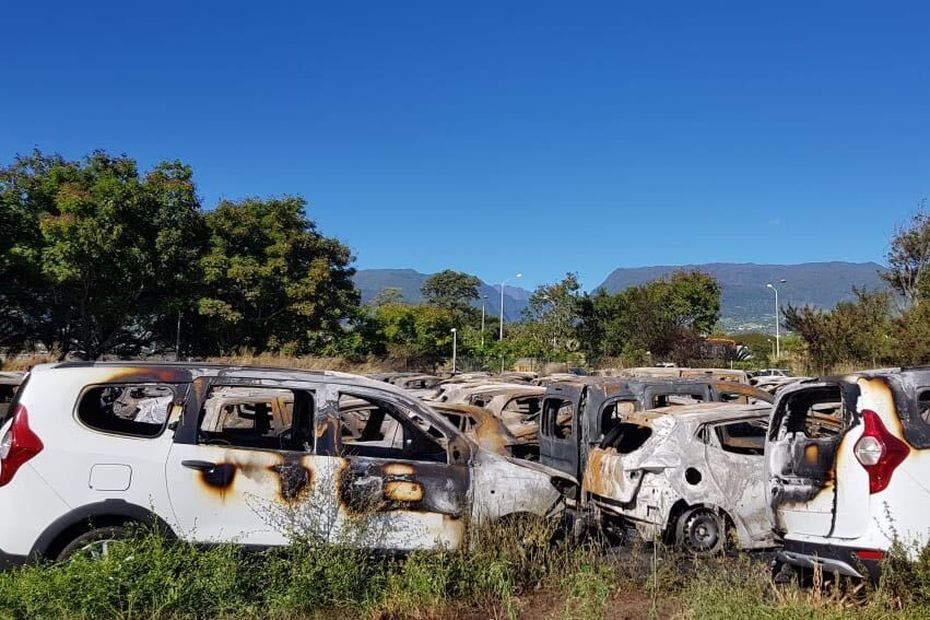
(308, 362)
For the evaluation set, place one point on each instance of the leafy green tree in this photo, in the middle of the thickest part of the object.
(909, 258)
(451, 289)
(665, 318)
(912, 336)
(102, 250)
(272, 281)
(389, 295)
(420, 335)
(857, 332)
(553, 313)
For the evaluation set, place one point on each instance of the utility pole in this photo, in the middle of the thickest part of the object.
(455, 334)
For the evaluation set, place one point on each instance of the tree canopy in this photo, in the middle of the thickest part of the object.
(99, 258)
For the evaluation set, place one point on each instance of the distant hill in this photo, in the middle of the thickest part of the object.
(746, 302)
(370, 282)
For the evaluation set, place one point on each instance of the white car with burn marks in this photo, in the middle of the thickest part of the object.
(848, 469)
(246, 455)
(690, 475)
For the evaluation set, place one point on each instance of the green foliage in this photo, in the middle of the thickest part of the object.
(909, 258)
(419, 335)
(500, 573)
(857, 332)
(553, 312)
(450, 289)
(97, 258)
(665, 317)
(96, 252)
(271, 280)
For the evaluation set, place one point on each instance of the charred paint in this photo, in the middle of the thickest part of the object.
(152, 374)
(294, 481)
(220, 478)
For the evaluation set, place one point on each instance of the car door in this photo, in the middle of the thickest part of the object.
(405, 476)
(805, 432)
(242, 468)
(735, 461)
(560, 440)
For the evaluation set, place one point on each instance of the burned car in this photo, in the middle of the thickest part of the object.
(482, 426)
(246, 455)
(690, 476)
(846, 463)
(577, 415)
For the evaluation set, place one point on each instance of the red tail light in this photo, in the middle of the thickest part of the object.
(19, 444)
(878, 451)
(871, 554)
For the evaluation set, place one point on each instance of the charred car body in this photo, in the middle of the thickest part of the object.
(847, 468)
(89, 447)
(577, 415)
(687, 475)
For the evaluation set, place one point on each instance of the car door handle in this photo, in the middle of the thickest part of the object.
(199, 465)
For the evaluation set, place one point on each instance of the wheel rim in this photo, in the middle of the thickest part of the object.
(96, 549)
(702, 532)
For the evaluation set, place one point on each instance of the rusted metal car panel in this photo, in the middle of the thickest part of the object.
(597, 404)
(686, 474)
(480, 425)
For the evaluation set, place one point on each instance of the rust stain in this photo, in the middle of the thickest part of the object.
(403, 491)
(152, 374)
(398, 469)
(811, 454)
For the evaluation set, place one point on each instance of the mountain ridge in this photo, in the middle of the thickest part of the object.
(746, 303)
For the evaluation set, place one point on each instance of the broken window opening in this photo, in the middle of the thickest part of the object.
(673, 399)
(526, 406)
(923, 405)
(559, 418)
(743, 437)
(614, 413)
(260, 418)
(816, 413)
(137, 410)
(376, 428)
(626, 438)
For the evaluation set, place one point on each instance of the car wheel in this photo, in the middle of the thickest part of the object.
(701, 531)
(94, 544)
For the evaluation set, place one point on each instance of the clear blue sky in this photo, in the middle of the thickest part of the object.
(496, 137)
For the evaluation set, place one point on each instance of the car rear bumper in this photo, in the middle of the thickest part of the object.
(829, 559)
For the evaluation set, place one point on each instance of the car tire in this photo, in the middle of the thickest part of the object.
(701, 531)
(93, 543)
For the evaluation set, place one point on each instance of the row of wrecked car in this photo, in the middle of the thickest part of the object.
(829, 470)
(658, 453)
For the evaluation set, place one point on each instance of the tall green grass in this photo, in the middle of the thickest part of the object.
(503, 572)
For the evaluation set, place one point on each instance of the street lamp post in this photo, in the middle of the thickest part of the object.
(777, 334)
(455, 334)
